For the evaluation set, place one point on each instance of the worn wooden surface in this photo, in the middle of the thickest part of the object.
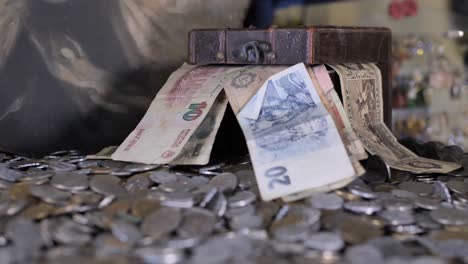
(311, 45)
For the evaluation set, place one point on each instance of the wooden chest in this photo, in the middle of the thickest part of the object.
(288, 46)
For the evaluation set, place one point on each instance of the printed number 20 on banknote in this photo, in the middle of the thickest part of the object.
(293, 142)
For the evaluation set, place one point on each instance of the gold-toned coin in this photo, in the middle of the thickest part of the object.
(143, 207)
(267, 210)
(382, 187)
(292, 218)
(88, 198)
(461, 229)
(65, 209)
(117, 206)
(347, 195)
(19, 191)
(38, 211)
(356, 231)
(100, 170)
(441, 235)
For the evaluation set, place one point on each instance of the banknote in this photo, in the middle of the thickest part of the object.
(331, 107)
(354, 145)
(331, 101)
(198, 148)
(292, 139)
(105, 153)
(361, 85)
(174, 116)
(243, 83)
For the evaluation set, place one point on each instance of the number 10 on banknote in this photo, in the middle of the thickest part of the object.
(292, 139)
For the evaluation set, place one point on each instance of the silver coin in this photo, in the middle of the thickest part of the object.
(137, 168)
(49, 194)
(417, 187)
(399, 204)
(70, 181)
(9, 174)
(395, 217)
(199, 181)
(197, 223)
(237, 211)
(426, 203)
(426, 222)
(242, 198)
(363, 207)
(107, 246)
(451, 248)
(407, 229)
(427, 260)
(245, 222)
(292, 233)
(177, 186)
(324, 241)
(180, 199)
(120, 173)
(403, 193)
(212, 252)
(24, 233)
(137, 183)
(209, 195)
(457, 186)
(71, 233)
(62, 166)
(449, 216)
(125, 231)
(362, 191)
(225, 182)
(363, 254)
(161, 222)
(218, 204)
(158, 255)
(162, 176)
(88, 163)
(327, 201)
(246, 178)
(441, 190)
(107, 185)
(30, 176)
(183, 242)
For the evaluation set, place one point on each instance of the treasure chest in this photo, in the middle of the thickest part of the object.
(288, 46)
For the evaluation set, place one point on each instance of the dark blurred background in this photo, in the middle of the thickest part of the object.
(79, 74)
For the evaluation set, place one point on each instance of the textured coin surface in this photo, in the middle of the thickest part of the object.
(107, 185)
(325, 241)
(49, 194)
(241, 199)
(161, 222)
(224, 182)
(449, 216)
(70, 181)
(328, 201)
(363, 207)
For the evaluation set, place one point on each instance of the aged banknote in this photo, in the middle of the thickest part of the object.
(361, 85)
(354, 145)
(175, 116)
(198, 148)
(292, 139)
(105, 153)
(331, 101)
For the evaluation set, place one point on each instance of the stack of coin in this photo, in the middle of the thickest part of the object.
(65, 208)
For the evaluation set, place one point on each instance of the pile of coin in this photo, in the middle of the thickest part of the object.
(65, 208)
